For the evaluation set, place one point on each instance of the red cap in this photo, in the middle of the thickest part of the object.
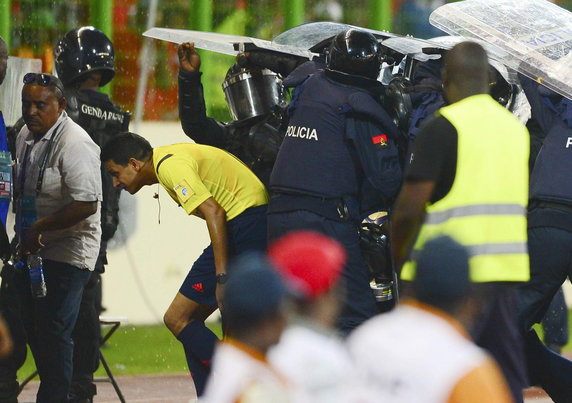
(310, 261)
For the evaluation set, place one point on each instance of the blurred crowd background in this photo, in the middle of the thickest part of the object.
(31, 27)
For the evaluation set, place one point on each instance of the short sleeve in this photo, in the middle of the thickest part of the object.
(435, 156)
(81, 170)
(181, 179)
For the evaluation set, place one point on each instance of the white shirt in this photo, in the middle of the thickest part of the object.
(72, 173)
(241, 374)
(315, 362)
(411, 355)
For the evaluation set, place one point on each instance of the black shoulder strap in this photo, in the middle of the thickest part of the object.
(161, 161)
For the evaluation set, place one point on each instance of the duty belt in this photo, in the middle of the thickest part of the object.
(552, 205)
(332, 208)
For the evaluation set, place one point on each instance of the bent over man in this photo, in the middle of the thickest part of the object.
(215, 186)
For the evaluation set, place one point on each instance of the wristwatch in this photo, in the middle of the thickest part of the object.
(221, 278)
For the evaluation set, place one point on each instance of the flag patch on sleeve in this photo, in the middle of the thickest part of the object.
(380, 139)
(183, 191)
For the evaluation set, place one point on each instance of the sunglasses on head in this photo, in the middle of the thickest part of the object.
(45, 80)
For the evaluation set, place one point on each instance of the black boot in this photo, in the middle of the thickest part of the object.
(82, 392)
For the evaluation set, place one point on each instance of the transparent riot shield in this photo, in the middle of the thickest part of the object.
(220, 43)
(535, 35)
(223, 43)
(315, 36)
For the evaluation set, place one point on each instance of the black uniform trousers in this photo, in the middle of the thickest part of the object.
(358, 299)
(550, 251)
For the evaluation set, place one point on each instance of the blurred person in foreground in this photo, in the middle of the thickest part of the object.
(213, 185)
(310, 353)
(84, 61)
(468, 179)
(422, 351)
(255, 302)
(5, 178)
(5, 338)
(57, 200)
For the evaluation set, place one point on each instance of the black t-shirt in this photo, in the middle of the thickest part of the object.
(435, 156)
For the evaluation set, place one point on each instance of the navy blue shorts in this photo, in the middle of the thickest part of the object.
(247, 231)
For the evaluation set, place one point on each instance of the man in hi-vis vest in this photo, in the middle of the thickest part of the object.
(469, 180)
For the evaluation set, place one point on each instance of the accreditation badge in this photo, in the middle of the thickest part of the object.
(27, 214)
(5, 175)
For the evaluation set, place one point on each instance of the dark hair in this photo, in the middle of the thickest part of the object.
(442, 278)
(254, 293)
(125, 146)
(467, 66)
(45, 80)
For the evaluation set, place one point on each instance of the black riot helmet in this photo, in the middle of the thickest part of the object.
(84, 50)
(355, 52)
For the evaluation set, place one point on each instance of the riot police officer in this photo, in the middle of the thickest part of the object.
(84, 60)
(339, 160)
(549, 232)
(255, 98)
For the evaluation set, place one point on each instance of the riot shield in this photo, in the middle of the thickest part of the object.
(518, 104)
(535, 35)
(223, 43)
(414, 48)
(315, 36)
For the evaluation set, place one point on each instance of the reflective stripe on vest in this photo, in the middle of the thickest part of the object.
(485, 210)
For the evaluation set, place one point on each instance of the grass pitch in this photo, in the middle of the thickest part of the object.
(138, 350)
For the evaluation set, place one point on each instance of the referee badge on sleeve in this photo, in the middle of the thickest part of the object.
(183, 191)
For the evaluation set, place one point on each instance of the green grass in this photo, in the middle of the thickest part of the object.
(136, 350)
(567, 347)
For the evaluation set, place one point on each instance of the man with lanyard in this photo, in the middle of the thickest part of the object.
(215, 186)
(469, 179)
(58, 193)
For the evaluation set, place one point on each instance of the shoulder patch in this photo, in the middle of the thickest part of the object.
(183, 191)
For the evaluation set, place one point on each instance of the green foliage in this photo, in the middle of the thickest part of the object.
(567, 347)
(214, 66)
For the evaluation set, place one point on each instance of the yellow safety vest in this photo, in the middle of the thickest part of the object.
(485, 210)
